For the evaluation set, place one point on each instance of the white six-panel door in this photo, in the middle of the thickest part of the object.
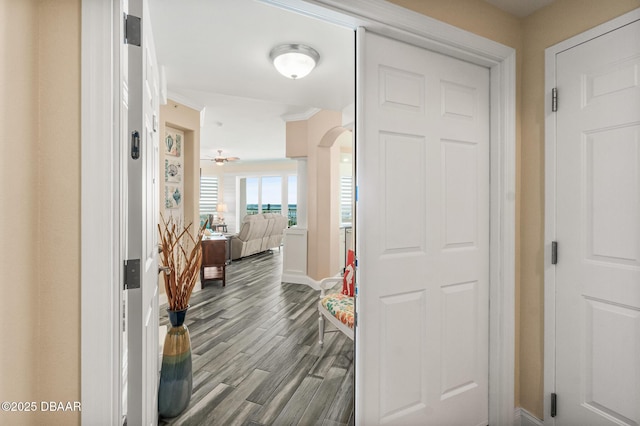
(423, 226)
(598, 231)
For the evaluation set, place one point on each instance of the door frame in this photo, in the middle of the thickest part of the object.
(550, 197)
(102, 215)
(101, 268)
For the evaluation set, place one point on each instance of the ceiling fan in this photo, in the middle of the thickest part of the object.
(220, 160)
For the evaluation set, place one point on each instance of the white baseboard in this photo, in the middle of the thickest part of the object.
(524, 418)
(299, 279)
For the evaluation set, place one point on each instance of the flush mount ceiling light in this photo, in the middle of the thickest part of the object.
(294, 60)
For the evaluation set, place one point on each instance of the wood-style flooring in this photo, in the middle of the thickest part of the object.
(256, 357)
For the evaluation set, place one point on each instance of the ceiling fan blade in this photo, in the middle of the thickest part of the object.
(232, 158)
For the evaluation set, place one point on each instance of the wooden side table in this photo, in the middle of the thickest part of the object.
(214, 260)
(220, 227)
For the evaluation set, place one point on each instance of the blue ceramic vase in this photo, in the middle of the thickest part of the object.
(176, 375)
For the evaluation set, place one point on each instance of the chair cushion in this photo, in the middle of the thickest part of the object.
(340, 306)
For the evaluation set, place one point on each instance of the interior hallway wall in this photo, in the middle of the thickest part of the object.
(40, 223)
(314, 139)
(187, 119)
(19, 216)
(181, 117)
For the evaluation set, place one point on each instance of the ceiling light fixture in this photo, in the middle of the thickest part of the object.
(294, 60)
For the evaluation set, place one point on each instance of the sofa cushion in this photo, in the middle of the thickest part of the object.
(246, 226)
(257, 230)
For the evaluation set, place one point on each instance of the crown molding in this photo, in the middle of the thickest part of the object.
(301, 116)
(184, 100)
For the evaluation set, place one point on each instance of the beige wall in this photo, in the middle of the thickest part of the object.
(315, 139)
(40, 224)
(475, 16)
(19, 224)
(296, 132)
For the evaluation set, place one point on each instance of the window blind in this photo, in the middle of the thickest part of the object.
(346, 198)
(208, 194)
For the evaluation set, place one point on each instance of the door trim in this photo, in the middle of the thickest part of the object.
(550, 197)
(101, 271)
(100, 189)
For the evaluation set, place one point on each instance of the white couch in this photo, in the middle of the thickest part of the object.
(258, 233)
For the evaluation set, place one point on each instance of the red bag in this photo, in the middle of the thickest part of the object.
(349, 274)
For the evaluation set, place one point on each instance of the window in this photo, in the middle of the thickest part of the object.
(271, 194)
(208, 195)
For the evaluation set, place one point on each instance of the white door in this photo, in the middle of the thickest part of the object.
(598, 231)
(142, 88)
(422, 146)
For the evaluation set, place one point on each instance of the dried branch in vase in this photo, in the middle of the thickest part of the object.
(181, 256)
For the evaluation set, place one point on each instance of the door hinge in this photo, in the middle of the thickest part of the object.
(554, 252)
(554, 99)
(554, 405)
(132, 30)
(131, 274)
(355, 319)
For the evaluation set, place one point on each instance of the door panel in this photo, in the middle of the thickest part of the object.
(423, 212)
(612, 186)
(410, 151)
(460, 194)
(598, 231)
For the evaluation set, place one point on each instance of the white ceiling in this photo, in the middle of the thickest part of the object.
(215, 55)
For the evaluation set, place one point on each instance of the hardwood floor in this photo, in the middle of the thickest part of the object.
(256, 357)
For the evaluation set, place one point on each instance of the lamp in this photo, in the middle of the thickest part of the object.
(221, 208)
(294, 60)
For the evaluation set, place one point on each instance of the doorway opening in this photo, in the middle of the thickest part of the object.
(267, 338)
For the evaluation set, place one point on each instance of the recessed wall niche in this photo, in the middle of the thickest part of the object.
(174, 174)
